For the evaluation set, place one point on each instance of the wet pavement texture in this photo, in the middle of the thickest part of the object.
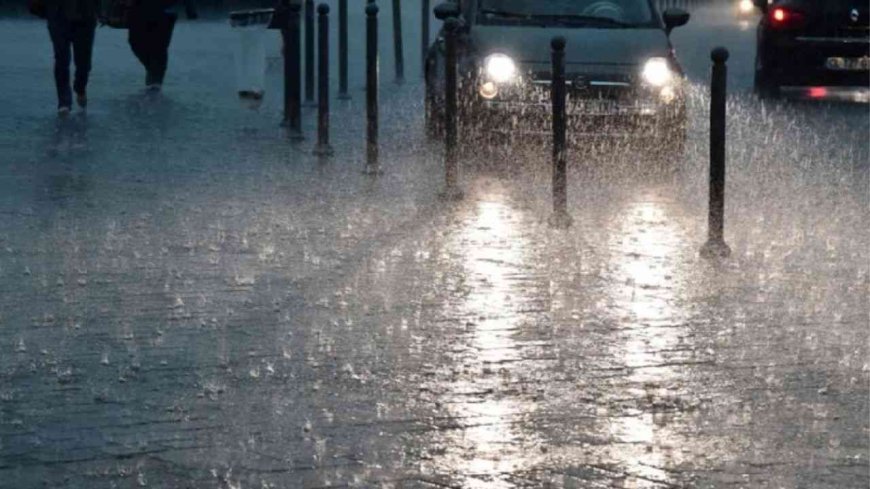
(188, 300)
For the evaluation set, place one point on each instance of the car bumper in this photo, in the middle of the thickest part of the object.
(802, 61)
(615, 122)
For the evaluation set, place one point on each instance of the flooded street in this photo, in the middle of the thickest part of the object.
(189, 300)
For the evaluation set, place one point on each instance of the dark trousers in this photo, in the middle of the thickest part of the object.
(71, 39)
(149, 37)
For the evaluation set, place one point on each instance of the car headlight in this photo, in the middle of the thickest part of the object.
(657, 72)
(746, 6)
(500, 68)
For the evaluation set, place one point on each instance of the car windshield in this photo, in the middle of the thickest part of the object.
(605, 13)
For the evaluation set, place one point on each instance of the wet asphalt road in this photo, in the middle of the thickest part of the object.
(187, 300)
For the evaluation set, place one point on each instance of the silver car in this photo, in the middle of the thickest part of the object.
(624, 81)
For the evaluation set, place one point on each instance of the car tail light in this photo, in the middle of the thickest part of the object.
(818, 92)
(786, 18)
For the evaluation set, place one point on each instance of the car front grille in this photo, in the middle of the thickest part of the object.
(591, 95)
(579, 106)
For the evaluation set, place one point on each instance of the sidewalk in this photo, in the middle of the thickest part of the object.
(190, 301)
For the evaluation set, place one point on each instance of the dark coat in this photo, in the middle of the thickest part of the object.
(72, 10)
(153, 9)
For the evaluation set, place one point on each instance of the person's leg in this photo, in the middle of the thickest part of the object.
(162, 37)
(60, 40)
(137, 36)
(142, 40)
(83, 46)
(153, 33)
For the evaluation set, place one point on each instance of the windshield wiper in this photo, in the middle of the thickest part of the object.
(584, 19)
(565, 19)
(505, 13)
(509, 15)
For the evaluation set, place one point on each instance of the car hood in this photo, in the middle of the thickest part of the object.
(587, 48)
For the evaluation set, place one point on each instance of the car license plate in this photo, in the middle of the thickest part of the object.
(848, 64)
(592, 106)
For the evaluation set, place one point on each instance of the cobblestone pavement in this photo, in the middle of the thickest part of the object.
(187, 300)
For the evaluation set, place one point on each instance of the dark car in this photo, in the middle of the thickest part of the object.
(624, 81)
(812, 43)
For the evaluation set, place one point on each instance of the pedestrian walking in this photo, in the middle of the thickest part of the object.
(71, 25)
(150, 25)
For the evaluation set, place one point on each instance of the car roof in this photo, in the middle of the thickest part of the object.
(469, 10)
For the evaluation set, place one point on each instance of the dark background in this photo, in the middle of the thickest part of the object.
(213, 7)
(11, 8)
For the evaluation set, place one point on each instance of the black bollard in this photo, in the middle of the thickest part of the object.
(368, 2)
(309, 52)
(424, 30)
(560, 217)
(292, 71)
(715, 247)
(323, 148)
(342, 50)
(372, 165)
(451, 172)
(398, 50)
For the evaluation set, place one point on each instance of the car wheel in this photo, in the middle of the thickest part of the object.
(668, 147)
(765, 84)
(434, 98)
(668, 157)
(434, 118)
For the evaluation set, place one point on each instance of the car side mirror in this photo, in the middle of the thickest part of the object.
(445, 10)
(675, 17)
(761, 4)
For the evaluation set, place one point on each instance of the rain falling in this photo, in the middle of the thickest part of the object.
(190, 297)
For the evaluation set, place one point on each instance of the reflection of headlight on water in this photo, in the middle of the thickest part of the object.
(656, 72)
(488, 90)
(500, 68)
(746, 6)
(668, 95)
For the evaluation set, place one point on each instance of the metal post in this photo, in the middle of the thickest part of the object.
(424, 29)
(323, 148)
(398, 51)
(715, 247)
(292, 71)
(309, 52)
(342, 50)
(372, 164)
(451, 189)
(560, 217)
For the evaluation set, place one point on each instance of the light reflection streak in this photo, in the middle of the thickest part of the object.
(491, 443)
(856, 95)
(644, 243)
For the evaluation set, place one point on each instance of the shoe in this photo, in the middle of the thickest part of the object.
(153, 88)
(63, 111)
(82, 100)
(153, 80)
(251, 94)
